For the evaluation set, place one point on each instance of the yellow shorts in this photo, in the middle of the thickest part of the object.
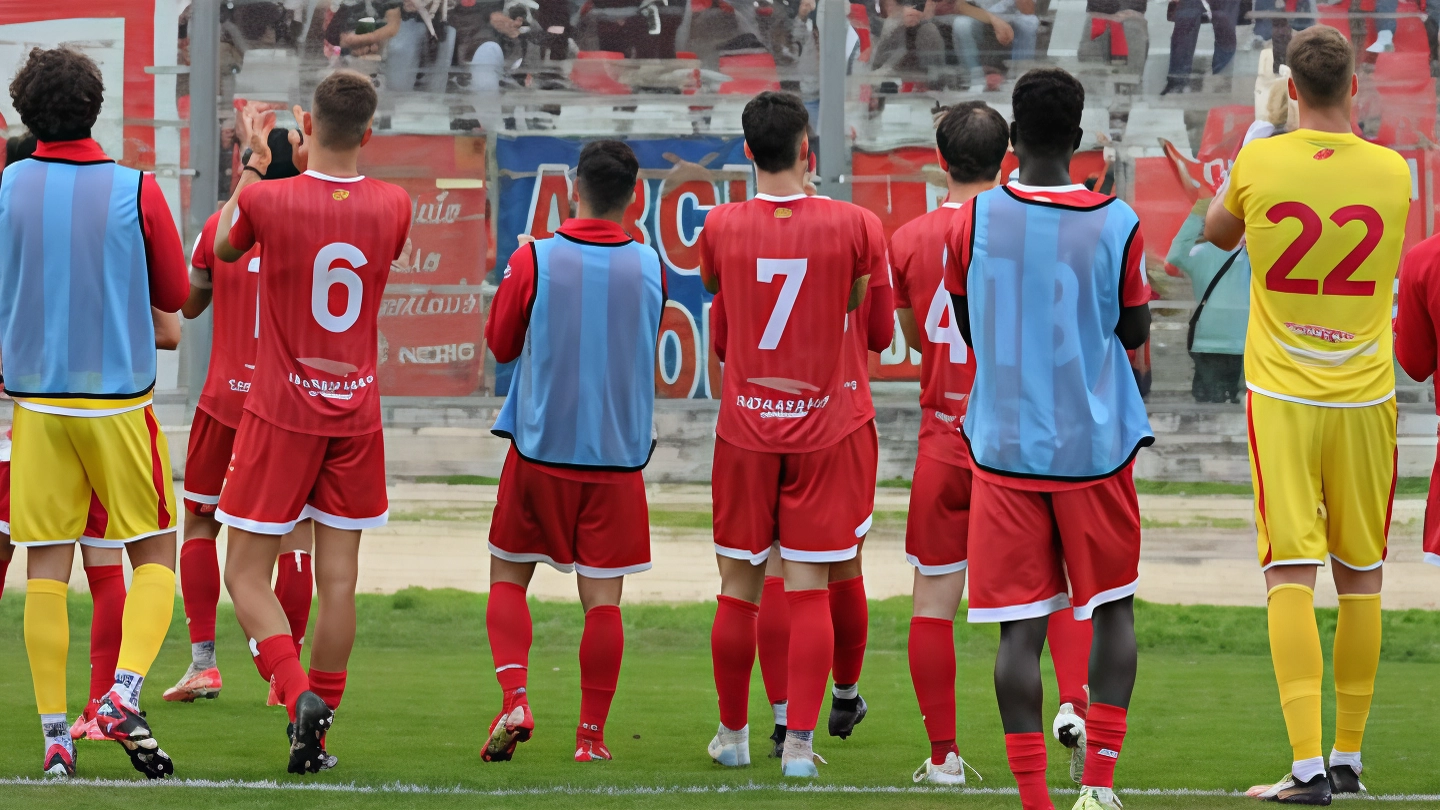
(56, 461)
(1324, 481)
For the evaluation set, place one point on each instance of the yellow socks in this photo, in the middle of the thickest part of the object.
(47, 641)
(1357, 656)
(148, 608)
(1299, 667)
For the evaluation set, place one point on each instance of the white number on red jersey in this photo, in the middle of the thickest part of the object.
(942, 311)
(794, 272)
(327, 275)
(254, 267)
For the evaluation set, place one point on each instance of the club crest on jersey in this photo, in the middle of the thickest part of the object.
(783, 213)
(1324, 153)
(342, 194)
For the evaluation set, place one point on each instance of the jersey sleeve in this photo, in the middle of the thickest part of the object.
(164, 253)
(510, 309)
(709, 272)
(719, 327)
(403, 218)
(873, 260)
(880, 322)
(957, 252)
(202, 255)
(1232, 191)
(898, 269)
(242, 230)
(1414, 326)
(1134, 284)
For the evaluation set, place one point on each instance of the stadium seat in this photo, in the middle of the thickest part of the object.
(750, 73)
(590, 72)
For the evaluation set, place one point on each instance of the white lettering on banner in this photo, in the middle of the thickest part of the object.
(420, 305)
(434, 355)
(436, 212)
(420, 262)
(327, 275)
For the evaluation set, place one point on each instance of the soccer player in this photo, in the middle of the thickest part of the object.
(212, 436)
(309, 443)
(1323, 215)
(1049, 290)
(581, 312)
(1416, 340)
(76, 291)
(795, 448)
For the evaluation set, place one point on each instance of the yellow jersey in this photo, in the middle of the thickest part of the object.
(1325, 220)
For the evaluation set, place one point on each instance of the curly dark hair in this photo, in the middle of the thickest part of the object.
(58, 94)
(1047, 104)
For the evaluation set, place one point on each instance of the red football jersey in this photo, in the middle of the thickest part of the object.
(236, 330)
(326, 245)
(917, 262)
(785, 266)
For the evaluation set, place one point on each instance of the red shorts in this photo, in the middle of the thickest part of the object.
(95, 522)
(599, 530)
(937, 531)
(1432, 517)
(818, 504)
(278, 478)
(206, 460)
(1026, 543)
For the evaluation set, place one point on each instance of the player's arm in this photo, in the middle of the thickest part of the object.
(1224, 219)
(709, 277)
(880, 326)
(719, 328)
(202, 279)
(232, 242)
(1414, 327)
(510, 309)
(1133, 327)
(167, 329)
(903, 312)
(909, 328)
(164, 253)
(957, 267)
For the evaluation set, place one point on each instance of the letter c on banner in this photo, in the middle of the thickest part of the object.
(677, 363)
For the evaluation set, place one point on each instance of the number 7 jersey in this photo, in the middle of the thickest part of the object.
(326, 245)
(1324, 223)
(786, 266)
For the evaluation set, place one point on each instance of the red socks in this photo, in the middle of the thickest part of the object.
(601, 647)
(1026, 753)
(293, 585)
(773, 639)
(277, 654)
(329, 686)
(1104, 732)
(850, 615)
(932, 669)
(1069, 641)
(200, 585)
(107, 590)
(4, 566)
(812, 648)
(732, 652)
(507, 622)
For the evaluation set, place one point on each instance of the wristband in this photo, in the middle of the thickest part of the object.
(200, 279)
(258, 173)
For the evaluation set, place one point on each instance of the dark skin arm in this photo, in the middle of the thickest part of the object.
(1133, 328)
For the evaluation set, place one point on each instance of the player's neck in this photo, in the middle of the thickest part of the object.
(960, 192)
(334, 163)
(780, 184)
(1046, 171)
(1327, 119)
(584, 211)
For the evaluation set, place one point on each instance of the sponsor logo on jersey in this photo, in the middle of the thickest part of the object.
(782, 408)
(783, 213)
(1320, 332)
(1324, 153)
(340, 195)
(1106, 752)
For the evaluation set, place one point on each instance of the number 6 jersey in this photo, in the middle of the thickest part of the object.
(1324, 223)
(786, 266)
(326, 244)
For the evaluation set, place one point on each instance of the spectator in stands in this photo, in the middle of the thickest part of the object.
(499, 45)
(1115, 32)
(1221, 280)
(414, 33)
(993, 29)
(909, 43)
(639, 29)
(1188, 16)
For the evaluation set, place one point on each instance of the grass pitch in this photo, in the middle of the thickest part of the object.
(1205, 719)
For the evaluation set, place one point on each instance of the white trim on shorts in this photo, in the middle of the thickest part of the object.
(611, 573)
(1083, 612)
(1300, 401)
(93, 542)
(1316, 563)
(798, 555)
(1015, 613)
(1433, 559)
(96, 413)
(510, 556)
(864, 528)
(1357, 567)
(936, 570)
(758, 558)
(212, 500)
(5, 526)
(255, 526)
(343, 523)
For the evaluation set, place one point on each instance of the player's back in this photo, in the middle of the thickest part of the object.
(917, 260)
(235, 331)
(1325, 224)
(326, 246)
(786, 267)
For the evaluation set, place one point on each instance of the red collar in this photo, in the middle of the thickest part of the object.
(600, 231)
(84, 150)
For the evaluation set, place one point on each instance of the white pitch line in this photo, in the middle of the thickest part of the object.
(638, 790)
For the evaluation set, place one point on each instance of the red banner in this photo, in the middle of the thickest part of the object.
(431, 343)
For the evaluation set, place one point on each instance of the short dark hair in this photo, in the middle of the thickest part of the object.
(58, 93)
(1321, 63)
(1047, 105)
(343, 107)
(774, 123)
(607, 171)
(973, 139)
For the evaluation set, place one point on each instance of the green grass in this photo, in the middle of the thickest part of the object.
(1196, 523)
(458, 480)
(1205, 715)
